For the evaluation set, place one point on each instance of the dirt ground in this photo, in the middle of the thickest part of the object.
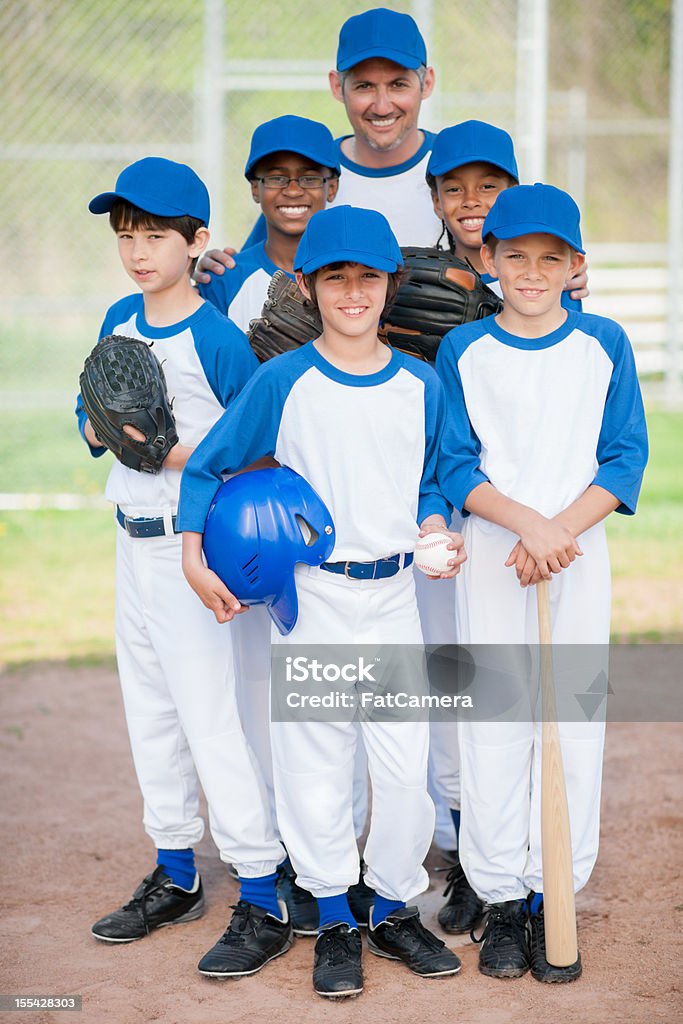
(73, 848)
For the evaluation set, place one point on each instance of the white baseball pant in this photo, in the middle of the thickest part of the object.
(500, 846)
(313, 762)
(177, 676)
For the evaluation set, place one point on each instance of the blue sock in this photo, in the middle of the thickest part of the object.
(534, 904)
(179, 866)
(261, 892)
(335, 908)
(455, 815)
(383, 907)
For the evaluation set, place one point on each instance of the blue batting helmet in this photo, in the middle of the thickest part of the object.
(259, 526)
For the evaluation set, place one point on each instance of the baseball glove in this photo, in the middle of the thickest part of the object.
(123, 384)
(288, 320)
(439, 291)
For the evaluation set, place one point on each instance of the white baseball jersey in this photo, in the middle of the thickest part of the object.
(368, 444)
(206, 362)
(400, 192)
(541, 419)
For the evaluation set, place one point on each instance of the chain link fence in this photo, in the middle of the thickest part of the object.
(89, 86)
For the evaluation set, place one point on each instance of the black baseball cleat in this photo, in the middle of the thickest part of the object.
(541, 970)
(361, 898)
(463, 909)
(302, 907)
(251, 940)
(337, 967)
(402, 936)
(155, 903)
(504, 949)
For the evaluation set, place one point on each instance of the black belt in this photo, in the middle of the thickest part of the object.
(144, 527)
(379, 570)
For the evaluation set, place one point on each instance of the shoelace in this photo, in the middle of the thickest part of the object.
(453, 878)
(337, 945)
(242, 922)
(152, 887)
(500, 922)
(416, 933)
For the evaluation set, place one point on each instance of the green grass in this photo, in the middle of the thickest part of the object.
(57, 589)
(647, 549)
(42, 452)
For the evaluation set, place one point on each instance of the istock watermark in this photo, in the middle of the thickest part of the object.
(303, 670)
(479, 683)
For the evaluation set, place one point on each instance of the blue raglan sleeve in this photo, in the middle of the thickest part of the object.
(622, 445)
(112, 318)
(459, 470)
(245, 432)
(227, 358)
(222, 288)
(431, 500)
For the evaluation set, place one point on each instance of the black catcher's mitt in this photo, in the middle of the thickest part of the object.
(288, 320)
(439, 292)
(123, 384)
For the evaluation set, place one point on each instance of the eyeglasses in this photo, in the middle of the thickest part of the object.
(282, 181)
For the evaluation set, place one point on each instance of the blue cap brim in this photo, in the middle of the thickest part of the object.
(404, 60)
(517, 230)
(310, 154)
(475, 157)
(105, 200)
(284, 610)
(367, 259)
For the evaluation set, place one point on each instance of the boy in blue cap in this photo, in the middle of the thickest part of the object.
(470, 164)
(545, 437)
(361, 422)
(293, 170)
(175, 663)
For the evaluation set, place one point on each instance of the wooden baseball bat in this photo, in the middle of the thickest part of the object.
(558, 873)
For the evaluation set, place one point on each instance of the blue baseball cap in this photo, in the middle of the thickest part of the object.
(158, 186)
(292, 134)
(348, 234)
(535, 209)
(472, 142)
(381, 33)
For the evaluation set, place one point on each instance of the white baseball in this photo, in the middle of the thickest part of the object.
(432, 554)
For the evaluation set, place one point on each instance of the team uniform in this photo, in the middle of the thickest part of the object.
(381, 432)
(542, 446)
(175, 662)
(240, 293)
(437, 611)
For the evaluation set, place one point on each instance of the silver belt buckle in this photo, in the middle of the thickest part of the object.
(346, 570)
